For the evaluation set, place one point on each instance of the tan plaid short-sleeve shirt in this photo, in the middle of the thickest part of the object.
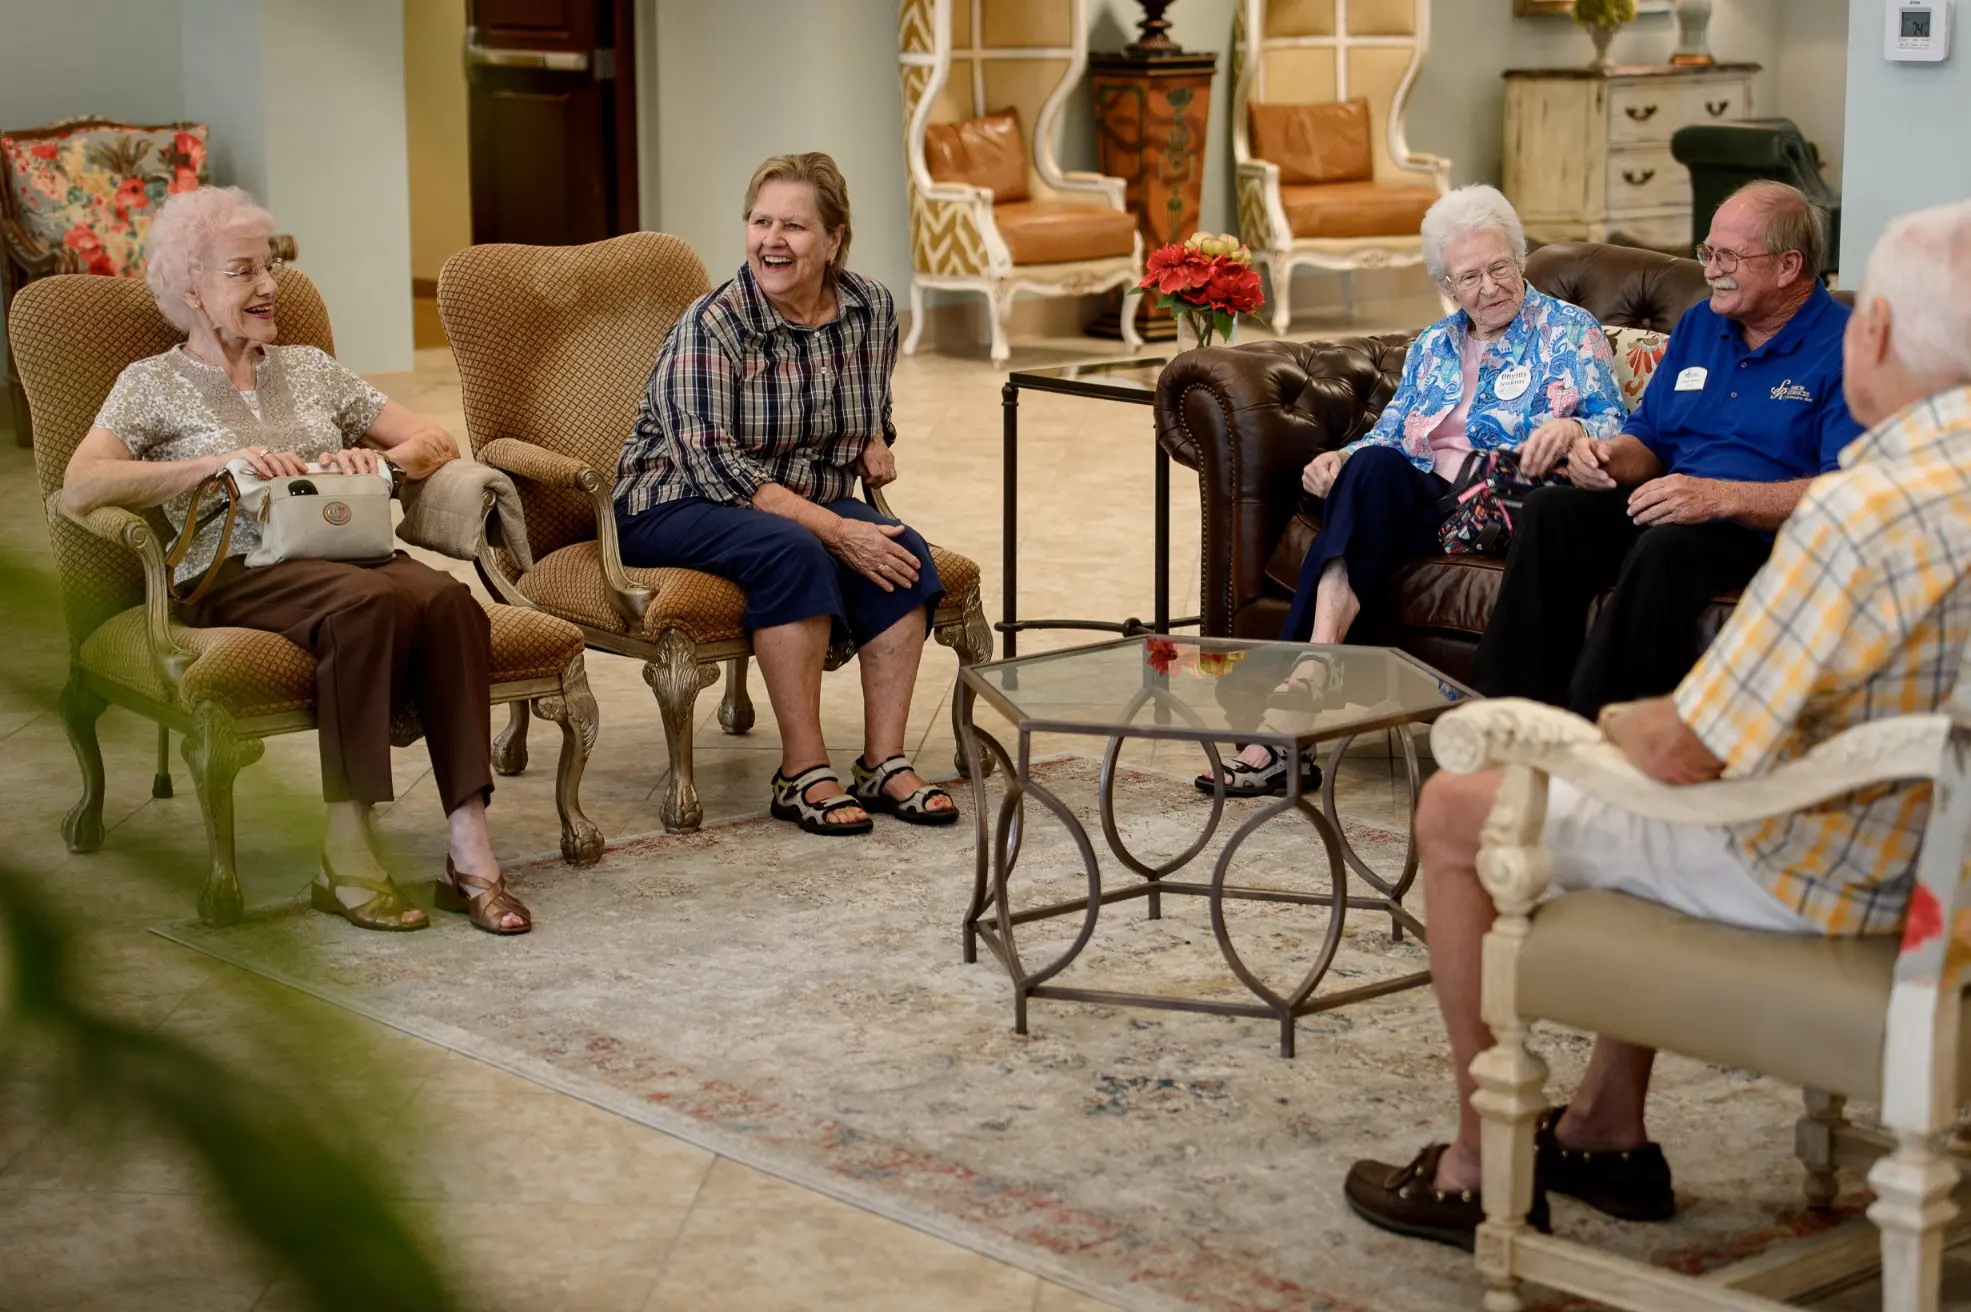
(1861, 613)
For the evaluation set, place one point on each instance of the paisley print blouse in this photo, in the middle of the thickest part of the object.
(172, 407)
(1553, 362)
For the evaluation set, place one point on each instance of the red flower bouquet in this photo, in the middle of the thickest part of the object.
(1207, 281)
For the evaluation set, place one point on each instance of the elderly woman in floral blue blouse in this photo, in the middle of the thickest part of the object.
(1512, 369)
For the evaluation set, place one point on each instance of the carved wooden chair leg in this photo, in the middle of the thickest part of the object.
(510, 743)
(1814, 1140)
(971, 638)
(82, 827)
(736, 707)
(215, 753)
(575, 711)
(676, 677)
(161, 781)
(1911, 1208)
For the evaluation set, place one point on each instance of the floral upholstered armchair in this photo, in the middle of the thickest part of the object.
(78, 196)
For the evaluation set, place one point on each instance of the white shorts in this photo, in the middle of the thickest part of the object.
(1695, 869)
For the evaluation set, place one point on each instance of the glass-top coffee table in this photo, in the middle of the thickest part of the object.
(1209, 691)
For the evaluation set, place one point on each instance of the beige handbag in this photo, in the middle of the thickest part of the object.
(316, 516)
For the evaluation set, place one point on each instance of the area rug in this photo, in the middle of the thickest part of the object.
(799, 1004)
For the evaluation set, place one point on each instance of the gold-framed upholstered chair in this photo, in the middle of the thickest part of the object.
(991, 209)
(1326, 177)
(224, 689)
(78, 195)
(554, 347)
(1878, 1020)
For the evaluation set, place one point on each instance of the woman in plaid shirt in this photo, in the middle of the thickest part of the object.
(770, 399)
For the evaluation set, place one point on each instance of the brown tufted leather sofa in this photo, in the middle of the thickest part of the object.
(1249, 418)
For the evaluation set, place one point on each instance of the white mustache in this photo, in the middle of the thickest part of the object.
(1725, 285)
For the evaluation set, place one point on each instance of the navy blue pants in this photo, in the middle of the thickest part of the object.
(1381, 511)
(785, 572)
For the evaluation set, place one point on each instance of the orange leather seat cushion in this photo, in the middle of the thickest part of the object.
(1315, 144)
(985, 152)
(1356, 209)
(1054, 232)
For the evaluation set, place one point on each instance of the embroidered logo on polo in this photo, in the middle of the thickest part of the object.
(1788, 390)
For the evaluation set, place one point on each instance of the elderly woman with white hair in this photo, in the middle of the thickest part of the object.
(1512, 369)
(398, 630)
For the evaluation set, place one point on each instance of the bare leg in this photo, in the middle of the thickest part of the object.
(1450, 812)
(889, 677)
(472, 850)
(1335, 609)
(791, 657)
(350, 848)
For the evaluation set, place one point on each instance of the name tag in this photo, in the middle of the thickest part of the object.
(1691, 379)
(1512, 384)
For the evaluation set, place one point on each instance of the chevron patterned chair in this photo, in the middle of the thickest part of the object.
(554, 346)
(224, 689)
(1326, 177)
(991, 210)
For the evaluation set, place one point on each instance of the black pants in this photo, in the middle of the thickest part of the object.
(1569, 544)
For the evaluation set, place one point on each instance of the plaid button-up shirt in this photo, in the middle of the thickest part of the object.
(1861, 613)
(740, 398)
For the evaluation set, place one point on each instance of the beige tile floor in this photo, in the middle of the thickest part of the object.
(543, 1201)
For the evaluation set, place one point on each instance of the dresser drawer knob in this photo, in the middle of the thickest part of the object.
(1640, 113)
(1716, 108)
(1635, 179)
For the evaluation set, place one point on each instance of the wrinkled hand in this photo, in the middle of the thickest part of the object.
(351, 460)
(1587, 464)
(1321, 472)
(872, 551)
(267, 464)
(877, 464)
(1675, 499)
(1549, 445)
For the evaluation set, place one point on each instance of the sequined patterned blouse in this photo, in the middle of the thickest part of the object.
(172, 407)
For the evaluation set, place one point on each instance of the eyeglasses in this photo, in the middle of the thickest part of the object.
(254, 272)
(1728, 260)
(1503, 274)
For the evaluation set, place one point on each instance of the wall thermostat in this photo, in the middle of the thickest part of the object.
(1917, 31)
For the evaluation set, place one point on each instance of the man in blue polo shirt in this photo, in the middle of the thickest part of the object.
(1742, 412)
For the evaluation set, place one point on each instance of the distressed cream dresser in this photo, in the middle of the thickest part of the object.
(1587, 150)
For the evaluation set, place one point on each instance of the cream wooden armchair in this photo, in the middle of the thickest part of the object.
(991, 209)
(1355, 207)
(1873, 1019)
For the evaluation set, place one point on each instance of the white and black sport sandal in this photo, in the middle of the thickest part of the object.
(790, 802)
(1269, 780)
(915, 809)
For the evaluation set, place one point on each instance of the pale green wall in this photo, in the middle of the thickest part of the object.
(1906, 147)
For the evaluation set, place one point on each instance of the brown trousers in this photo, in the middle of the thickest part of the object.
(396, 633)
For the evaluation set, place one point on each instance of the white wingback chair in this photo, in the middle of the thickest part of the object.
(1003, 225)
(1879, 1020)
(1354, 208)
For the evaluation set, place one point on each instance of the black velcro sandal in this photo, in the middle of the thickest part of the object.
(790, 802)
(1269, 780)
(914, 809)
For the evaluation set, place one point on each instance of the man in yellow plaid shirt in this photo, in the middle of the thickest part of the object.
(1862, 612)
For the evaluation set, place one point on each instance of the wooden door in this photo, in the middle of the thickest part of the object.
(552, 120)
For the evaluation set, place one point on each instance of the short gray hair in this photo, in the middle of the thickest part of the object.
(1793, 222)
(1922, 267)
(183, 234)
(1460, 213)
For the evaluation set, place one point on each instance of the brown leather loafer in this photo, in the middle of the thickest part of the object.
(1402, 1200)
(1629, 1186)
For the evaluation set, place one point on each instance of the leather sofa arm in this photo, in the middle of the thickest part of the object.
(128, 529)
(537, 464)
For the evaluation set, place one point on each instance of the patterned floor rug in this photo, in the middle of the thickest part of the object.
(799, 1003)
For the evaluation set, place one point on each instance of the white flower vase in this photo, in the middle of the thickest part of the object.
(1693, 27)
(1603, 37)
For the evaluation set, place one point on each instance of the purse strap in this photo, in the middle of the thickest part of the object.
(193, 524)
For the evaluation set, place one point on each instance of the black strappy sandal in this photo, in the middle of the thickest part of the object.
(1269, 780)
(915, 809)
(790, 802)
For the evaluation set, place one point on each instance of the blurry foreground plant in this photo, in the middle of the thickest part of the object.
(316, 1209)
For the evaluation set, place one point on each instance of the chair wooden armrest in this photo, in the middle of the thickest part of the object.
(134, 533)
(1113, 190)
(537, 464)
(28, 253)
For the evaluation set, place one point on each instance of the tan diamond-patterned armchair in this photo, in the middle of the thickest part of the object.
(1291, 53)
(224, 689)
(1027, 226)
(554, 346)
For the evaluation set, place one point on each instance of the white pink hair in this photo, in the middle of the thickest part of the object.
(182, 236)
